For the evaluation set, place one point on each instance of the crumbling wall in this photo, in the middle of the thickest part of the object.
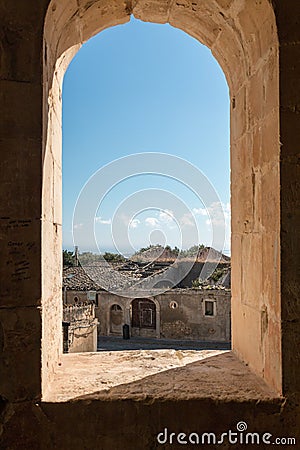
(186, 320)
(183, 315)
(69, 297)
(79, 328)
(82, 337)
(103, 312)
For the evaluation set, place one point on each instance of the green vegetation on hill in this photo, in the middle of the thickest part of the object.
(213, 279)
(192, 251)
(113, 257)
(89, 258)
(174, 250)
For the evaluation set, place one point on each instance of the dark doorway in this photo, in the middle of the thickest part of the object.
(143, 313)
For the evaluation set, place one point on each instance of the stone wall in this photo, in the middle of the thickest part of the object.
(70, 296)
(83, 337)
(79, 328)
(103, 313)
(181, 314)
(257, 44)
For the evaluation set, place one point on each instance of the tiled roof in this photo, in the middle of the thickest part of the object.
(118, 277)
(96, 277)
(76, 279)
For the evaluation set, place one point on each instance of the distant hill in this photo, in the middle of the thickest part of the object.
(155, 253)
(160, 254)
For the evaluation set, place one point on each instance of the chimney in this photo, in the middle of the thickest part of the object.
(76, 256)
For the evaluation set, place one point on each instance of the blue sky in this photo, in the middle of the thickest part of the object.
(137, 88)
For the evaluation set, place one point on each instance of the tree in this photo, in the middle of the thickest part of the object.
(68, 259)
(113, 257)
(192, 251)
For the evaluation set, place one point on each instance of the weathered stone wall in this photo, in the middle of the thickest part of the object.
(257, 44)
(69, 297)
(80, 328)
(103, 312)
(83, 337)
(188, 321)
(287, 20)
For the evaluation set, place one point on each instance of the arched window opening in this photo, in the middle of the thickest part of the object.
(116, 308)
(253, 83)
(116, 320)
(155, 245)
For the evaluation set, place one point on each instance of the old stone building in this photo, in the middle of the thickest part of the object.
(256, 42)
(201, 314)
(176, 314)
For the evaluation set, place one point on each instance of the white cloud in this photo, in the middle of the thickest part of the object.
(166, 216)
(77, 226)
(152, 222)
(200, 211)
(187, 220)
(218, 213)
(134, 223)
(103, 221)
(123, 218)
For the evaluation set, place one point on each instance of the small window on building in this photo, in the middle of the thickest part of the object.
(91, 296)
(173, 305)
(209, 308)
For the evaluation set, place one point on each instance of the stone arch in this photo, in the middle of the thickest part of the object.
(116, 319)
(243, 38)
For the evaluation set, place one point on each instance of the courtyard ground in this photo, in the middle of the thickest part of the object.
(116, 343)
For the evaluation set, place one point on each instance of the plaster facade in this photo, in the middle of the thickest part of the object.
(179, 314)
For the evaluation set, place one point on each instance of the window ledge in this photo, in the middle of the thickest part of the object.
(158, 375)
